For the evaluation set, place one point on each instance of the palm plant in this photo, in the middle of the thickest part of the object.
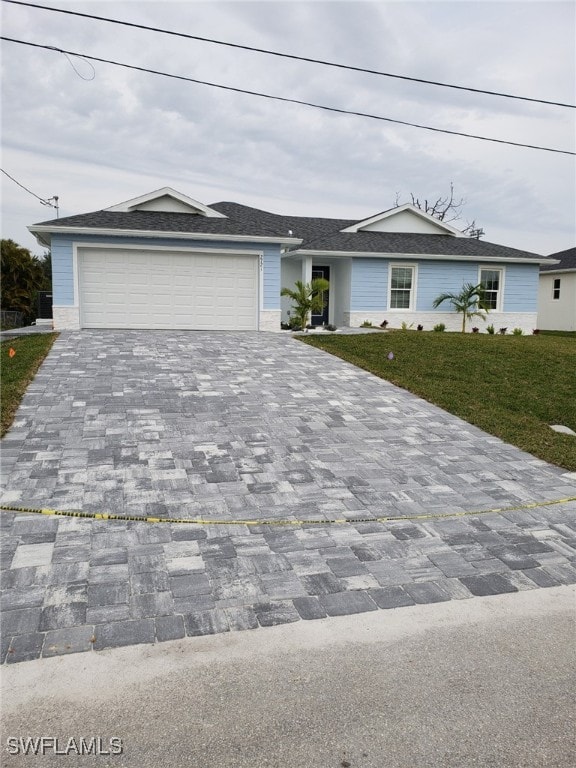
(470, 302)
(307, 298)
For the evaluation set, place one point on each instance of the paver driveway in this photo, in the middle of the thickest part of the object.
(229, 426)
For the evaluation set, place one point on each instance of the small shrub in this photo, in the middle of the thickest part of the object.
(384, 323)
(502, 331)
(419, 327)
(405, 326)
(440, 327)
(490, 329)
(517, 332)
(366, 324)
(475, 330)
(285, 326)
(536, 331)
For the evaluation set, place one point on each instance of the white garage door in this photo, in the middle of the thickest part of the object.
(167, 289)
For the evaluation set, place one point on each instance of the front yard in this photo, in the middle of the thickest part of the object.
(19, 368)
(513, 387)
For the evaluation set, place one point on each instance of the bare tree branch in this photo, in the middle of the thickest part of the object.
(446, 209)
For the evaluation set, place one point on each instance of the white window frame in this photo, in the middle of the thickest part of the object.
(500, 297)
(556, 288)
(414, 268)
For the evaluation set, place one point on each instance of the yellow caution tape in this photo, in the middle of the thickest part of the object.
(335, 521)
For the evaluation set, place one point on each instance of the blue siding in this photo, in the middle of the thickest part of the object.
(436, 277)
(62, 261)
(62, 271)
(521, 288)
(369, 285)
(271, 277)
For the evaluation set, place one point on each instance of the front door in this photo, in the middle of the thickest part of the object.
(322, 317)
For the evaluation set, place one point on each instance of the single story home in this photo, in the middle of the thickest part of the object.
(165, 261)
(557, 293)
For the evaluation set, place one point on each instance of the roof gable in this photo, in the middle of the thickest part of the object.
(405, 218)
(166, 200)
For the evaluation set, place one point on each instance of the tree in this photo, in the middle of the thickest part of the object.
(446, 209)
(307, 298)
(22, 277)
(470, 301)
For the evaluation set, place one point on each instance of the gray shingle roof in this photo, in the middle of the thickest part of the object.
(320, 234)
(157, 221)
(566, 258)
(317, 234)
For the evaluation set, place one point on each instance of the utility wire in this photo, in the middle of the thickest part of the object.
(290, 56)
(44, 201)
(285, 99)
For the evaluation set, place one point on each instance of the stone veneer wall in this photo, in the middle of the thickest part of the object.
(527, 321)
(66, 318)
(270, 319)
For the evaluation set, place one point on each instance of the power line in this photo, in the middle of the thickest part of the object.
(291, 56)
(44, 201)
(286, 99)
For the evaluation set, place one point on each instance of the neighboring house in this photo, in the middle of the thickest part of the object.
(557, 293)
(164, 260)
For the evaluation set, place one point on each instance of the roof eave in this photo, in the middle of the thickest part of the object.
(426, 256)
(38, 231)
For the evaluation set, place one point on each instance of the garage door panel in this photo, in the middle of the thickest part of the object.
(126, 288)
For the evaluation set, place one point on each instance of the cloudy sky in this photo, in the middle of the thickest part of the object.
(96, 142)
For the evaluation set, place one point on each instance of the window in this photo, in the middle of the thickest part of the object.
(491, 281)
(401, 287)
(556, 288)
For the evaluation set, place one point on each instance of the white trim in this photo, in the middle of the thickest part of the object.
(179, 248)
(413, 289)
(359, 225)
(260, 302)
(502, 270)
(194, 205)
(557, 271)
(76, 275)
(95, 232)
(421, 256)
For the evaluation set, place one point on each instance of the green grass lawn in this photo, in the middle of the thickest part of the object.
(511, 386)
(19, 370)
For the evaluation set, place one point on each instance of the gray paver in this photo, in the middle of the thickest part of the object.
(63, 615)
(169, 628)
(25, 647)
(205, 623)
(250, 426)
(124, 633)
(390, 597)
(345, 603)
(70, 640)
